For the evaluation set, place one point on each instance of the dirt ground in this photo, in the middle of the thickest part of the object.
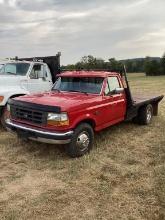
(122, 178)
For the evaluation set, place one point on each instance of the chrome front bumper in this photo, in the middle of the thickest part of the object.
(39, 135)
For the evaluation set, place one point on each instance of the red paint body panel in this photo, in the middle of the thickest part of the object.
(102, 110)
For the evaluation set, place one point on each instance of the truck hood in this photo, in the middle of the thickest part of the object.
(67, 101)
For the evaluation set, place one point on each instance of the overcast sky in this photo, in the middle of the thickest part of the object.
(103, 28)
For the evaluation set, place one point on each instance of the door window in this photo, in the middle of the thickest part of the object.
(37, 71)
(112, 84)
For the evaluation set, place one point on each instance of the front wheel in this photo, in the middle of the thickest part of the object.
(81, 142)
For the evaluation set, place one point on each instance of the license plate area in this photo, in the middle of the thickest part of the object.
(25, 134)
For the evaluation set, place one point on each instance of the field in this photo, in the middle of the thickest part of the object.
(122, 178)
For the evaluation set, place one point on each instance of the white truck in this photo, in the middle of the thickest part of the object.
(1, 65)
(24, 76)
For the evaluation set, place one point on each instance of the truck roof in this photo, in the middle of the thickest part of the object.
(87, 74)
(22, 61)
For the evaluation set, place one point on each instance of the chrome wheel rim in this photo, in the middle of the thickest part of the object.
(149, 115)
(83, 141)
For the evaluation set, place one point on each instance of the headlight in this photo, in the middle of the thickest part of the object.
(58, 119)
(1, 98)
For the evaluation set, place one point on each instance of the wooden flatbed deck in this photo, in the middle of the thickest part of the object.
(138, 100)
(147, 98)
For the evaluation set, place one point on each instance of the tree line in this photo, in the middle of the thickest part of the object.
(152, 66)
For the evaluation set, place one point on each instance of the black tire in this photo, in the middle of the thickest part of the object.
(81, 142)
(3, 117)
(145, 115)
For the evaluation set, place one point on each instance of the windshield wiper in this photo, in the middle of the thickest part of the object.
(11, 73)
(78, 91)
(56, 90)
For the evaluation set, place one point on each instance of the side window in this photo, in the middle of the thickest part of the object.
(112, 84)
(46, 71)
(107, 91)
(9, 68)
(37, 71)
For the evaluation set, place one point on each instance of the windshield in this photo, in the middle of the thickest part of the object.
(79, 84)
(15, 68)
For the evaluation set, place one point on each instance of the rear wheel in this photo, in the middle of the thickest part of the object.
(81, 142)
(145, 115)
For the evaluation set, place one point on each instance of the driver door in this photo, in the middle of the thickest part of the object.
(114, 103)
(39, 80)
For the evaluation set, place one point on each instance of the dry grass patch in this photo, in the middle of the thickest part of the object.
(122, 178)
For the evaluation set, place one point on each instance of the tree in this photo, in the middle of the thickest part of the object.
(90, 63)
(152, 67)
(115, 66)
(163, 64)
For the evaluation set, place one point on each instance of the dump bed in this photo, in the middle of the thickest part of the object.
(53, 63)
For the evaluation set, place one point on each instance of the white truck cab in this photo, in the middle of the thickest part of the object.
(21, 78)
(1, 65)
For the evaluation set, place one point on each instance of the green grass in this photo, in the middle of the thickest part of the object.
(122, 178)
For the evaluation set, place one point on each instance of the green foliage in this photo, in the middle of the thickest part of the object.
(155, 67)
(163, 64)
(135, 65)
(92, 63)
(115, 65)
(151, 66)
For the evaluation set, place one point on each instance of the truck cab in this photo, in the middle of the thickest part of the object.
(79, 104)
(23, 77)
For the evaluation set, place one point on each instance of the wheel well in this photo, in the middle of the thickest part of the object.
(14, 96)
(91, 122)
(144, 106)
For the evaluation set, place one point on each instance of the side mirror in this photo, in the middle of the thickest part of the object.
(118, 91)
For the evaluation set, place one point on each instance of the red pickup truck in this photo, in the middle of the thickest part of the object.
(80, 104)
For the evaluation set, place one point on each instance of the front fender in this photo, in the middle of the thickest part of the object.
(82, 118)
(11, 92)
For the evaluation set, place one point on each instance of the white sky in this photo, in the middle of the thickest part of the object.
(103, 28)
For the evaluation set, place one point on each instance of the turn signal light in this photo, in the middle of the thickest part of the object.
(58, 123)
(1, 98)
